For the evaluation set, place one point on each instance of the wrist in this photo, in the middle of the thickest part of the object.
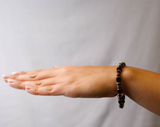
(126, 78)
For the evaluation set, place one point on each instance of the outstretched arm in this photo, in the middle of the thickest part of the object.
(140, 85)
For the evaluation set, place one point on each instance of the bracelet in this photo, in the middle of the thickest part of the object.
(121, 96)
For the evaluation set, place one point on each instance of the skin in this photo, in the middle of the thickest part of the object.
(140, 85)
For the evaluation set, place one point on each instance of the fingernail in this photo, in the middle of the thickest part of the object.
(11, 81)
(28, 88)
(6, 76)
(16, 73)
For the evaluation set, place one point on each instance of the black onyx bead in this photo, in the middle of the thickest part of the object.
(120, 102)
(121, 105)
(123, 101)
(118, 68)
(119, 88)
(119, 91)
(118, 79)
(118, 74)
(118, 71)
(120, 99)
(123, 96)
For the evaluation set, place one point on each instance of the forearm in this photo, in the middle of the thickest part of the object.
(143, 87)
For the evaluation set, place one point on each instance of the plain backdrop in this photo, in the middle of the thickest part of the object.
(37, 34)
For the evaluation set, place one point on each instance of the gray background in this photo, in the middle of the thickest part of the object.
(36, 34)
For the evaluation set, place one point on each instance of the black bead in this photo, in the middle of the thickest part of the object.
(120, 99)
(118, 68)
(119, 88)
(118, 74)
(120, 102)
(118, 71)
(121, 105)
(118, 84)
(118, 79)
(119, 91)
(123, 96)
(123, 101)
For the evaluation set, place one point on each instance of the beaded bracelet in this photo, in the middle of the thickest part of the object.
(121, 96)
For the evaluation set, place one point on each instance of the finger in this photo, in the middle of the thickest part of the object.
(13, 83)
(5, 77)
(34, 75)
(45, 90)
(21, 84)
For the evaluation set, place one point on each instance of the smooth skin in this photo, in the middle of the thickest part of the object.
(140, 85)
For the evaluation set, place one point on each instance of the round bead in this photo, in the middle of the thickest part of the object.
(119, 91)
(118, 79)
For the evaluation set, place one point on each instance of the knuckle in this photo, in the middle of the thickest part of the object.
(13, 76)
(22, 73)
(18, 83)
(33, 75)
(36, 89)
(38, 83)
(53, 91)
(49, 88)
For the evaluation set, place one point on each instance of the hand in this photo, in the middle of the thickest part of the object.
(70, 81)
